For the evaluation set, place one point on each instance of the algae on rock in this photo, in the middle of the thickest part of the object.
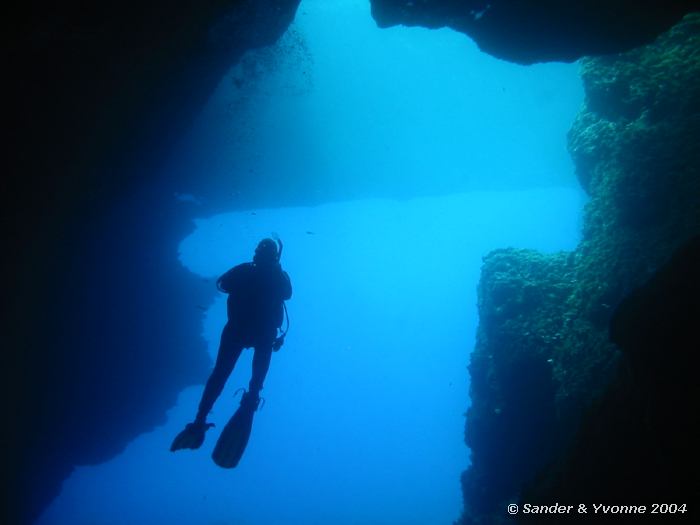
(542, 353)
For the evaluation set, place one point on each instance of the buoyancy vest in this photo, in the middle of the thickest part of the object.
(255, 298)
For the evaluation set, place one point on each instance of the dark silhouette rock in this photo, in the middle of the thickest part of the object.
(533, 31)
(102, 328)
(638, 443)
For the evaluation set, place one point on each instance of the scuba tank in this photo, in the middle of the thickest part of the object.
(279, 341)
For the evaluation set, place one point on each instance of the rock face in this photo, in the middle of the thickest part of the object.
(638, 442)
(520, 295)
(101, 326)
(533, 31)
(543, 353)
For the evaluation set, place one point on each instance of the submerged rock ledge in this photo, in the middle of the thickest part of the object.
(543, 356)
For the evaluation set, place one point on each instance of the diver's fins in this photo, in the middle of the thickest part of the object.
(192, 437)
(234, 438)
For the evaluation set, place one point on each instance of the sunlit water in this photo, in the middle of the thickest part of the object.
(363, 421)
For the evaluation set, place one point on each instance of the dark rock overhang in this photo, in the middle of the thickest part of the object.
(97, 92)
(528, 31)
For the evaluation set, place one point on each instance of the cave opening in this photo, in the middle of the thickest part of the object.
(389, 161)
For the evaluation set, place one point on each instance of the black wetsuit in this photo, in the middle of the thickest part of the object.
(255, 311)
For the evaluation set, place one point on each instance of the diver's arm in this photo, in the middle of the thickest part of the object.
(228, 281)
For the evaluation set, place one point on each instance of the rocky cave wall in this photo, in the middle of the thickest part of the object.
(102, 326)
(637, 443)
(543, 355)
(534, 31)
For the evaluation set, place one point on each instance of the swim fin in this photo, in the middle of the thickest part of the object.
(234, 438)
(192, 437)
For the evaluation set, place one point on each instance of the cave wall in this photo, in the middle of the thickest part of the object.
(535, 31)
(547, 316)
(637, 443)
(102, 325)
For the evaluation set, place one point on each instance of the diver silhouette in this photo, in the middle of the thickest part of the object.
(255, 306)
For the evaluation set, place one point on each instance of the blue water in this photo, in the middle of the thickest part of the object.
(341, 109)
(406, 134)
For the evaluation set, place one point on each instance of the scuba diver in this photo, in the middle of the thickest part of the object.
(255, 306)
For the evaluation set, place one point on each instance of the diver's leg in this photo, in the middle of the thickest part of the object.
(261, 364)
(229, 351)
